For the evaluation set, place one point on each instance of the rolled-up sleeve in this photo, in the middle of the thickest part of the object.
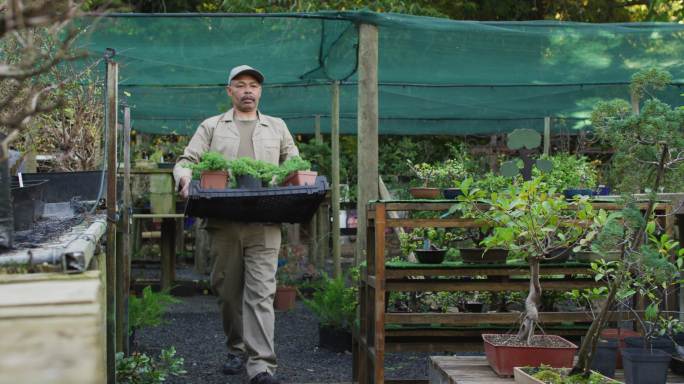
(199, 144)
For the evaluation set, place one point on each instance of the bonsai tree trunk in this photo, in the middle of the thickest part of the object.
(532, 303)
(590, 342)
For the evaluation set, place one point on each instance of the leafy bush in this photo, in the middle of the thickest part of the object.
(210, 161)
(148, 310)
(569, 171)
(142, 369)
(334, 303)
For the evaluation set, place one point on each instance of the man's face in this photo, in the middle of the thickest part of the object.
(245, 91)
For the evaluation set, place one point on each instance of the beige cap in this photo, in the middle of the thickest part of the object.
(240, 69)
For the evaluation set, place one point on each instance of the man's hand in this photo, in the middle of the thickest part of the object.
(184, 185)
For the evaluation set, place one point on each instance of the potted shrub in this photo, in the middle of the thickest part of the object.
(288, 276)
(532, 223)
(252, 173)
(650, 141)
(426, 173)
(212, 171)
(429, 245)
(546, 374)
(335, 306)
(295, 171)
(449, 175)
(470, 202)
(571, 174)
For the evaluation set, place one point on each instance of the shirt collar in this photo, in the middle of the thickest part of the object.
(228, 116)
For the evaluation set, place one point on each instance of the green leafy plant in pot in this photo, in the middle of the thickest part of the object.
(334, 304)
(295, 171)
(212, 171)
(429, 245)
(252, 173)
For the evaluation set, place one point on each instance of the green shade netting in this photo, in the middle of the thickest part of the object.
(436, 76)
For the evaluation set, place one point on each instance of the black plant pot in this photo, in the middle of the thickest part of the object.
(334, 339)
(558, 255)
(677, 365)
(479, 256)
(430, 256)
(662, 343)
(28, 202)
(451, 193)
(474, 307)
(643, 366)
(248, 182)
(605, 358)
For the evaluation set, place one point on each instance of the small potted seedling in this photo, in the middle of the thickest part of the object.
(212, 171)
(296, 171)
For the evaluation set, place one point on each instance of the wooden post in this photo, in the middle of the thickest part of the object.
(367, 130)
(335, 195)
(111, 120)
(126, 230)
(317, 129)
(547, 135)
(168, 253)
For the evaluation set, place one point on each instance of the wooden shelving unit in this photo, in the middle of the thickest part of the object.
(381, 331)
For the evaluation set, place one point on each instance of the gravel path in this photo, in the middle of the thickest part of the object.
(194, 328)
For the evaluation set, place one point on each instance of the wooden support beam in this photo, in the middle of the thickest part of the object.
(126, 230)
(367, 130)
(469, 318)
(335, 196)
(317, 129)
(168, 253)
(111, 124)
(547, 135)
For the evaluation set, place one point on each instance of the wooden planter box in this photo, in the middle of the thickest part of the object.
(53, 328)
(522, 377)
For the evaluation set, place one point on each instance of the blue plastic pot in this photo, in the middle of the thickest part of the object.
(645, 366)
(570, 193)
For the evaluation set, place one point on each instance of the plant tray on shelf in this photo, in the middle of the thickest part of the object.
(294, 204)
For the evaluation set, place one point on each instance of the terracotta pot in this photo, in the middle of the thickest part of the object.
(619, 334)
(424, 193)
(285, 298)
(214, 180)
(503, 358)
(300, 178)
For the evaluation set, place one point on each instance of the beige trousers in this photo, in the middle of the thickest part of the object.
(243, 276)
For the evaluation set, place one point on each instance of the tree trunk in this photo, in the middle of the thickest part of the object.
(532, 302)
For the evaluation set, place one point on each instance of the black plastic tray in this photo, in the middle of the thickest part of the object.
(259, 205)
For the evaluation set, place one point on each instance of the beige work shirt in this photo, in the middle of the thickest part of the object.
(272, 141)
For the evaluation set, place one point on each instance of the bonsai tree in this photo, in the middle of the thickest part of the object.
(425, 172)
(652, 141)
(533, 224)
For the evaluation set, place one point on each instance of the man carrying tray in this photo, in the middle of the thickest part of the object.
(246, 254)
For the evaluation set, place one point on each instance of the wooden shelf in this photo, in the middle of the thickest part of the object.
(378, 332)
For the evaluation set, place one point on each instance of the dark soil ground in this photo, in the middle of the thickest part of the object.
(194, 328)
